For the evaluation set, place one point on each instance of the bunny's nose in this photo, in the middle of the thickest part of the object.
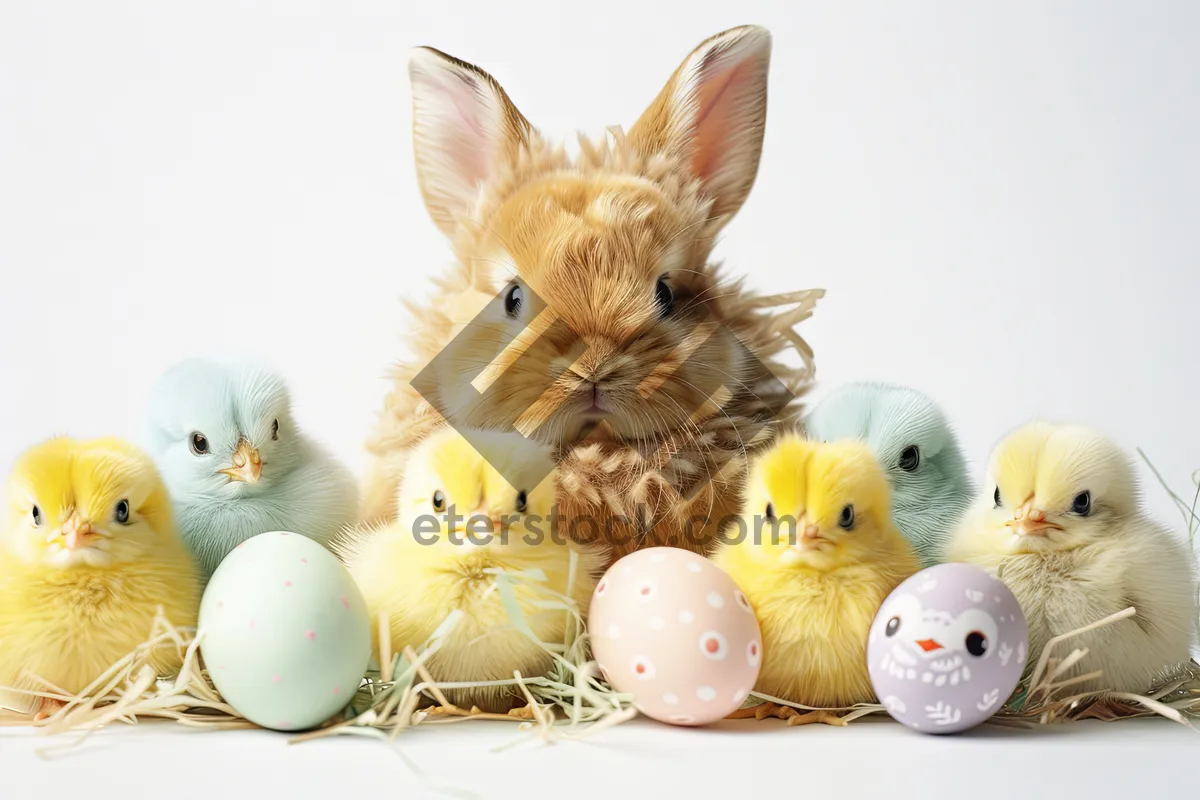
(595, 362)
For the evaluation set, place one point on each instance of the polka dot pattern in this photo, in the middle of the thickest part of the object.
(642, 668)
(713, 646)
(753, 653)
(288, 631)
(689, 644)
(742, 601)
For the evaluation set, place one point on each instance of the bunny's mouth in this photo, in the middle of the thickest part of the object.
(598, 403)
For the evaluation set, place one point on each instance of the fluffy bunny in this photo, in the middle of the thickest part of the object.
(583, 309)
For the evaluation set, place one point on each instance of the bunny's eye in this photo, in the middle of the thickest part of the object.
(275, 430)
(122, 513)
(522, 502)
(996, 497)
(439, 501)
(664, 297)
(37, 517)
(514, 300)
(846, 520)
(199, 444)
(893, 625)
(910, 459)
(1082, 504)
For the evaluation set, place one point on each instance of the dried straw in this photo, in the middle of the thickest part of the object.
(569, 702)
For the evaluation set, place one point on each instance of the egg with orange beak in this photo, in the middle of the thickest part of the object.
(947, 648)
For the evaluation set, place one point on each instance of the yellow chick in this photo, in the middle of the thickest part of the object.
(825, 557)
(1059, 522)
(88, 553)
(459, 516)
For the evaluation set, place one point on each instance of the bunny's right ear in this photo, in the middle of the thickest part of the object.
(464, 126)
(711, 115)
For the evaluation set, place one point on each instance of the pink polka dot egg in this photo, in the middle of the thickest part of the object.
(672, 629)
(286, 634)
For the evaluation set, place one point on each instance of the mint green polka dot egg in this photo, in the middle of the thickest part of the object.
(286, 632)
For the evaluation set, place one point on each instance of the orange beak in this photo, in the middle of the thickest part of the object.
(928, 645)
(77, 533)
(1030, 521)
(247, 464)
(495, 520)
(810, 535)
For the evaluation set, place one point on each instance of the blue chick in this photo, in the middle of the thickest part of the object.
(236, 464)
(911, 438)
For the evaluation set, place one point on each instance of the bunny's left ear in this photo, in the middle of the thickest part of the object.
(711, 114)
(464, 129)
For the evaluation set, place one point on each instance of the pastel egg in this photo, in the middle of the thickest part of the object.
(286, 635)
(672, 629)
(947, 648)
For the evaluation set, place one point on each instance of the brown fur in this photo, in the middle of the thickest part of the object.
(591, 236)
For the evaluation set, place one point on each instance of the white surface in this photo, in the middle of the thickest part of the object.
(1000, 199)
(1142, 759)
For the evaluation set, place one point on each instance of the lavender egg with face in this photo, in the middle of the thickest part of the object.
(947, 648)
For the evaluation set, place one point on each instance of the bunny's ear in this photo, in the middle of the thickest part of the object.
(464, 126)
(712, 113)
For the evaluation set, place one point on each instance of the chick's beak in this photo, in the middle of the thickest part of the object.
(1030, 521)
(77, 533)
(481, 514)
(929, 645)
(808, 535)
(474, 524)
(247, 464)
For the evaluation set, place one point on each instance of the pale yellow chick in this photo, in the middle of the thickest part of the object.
(88, 553)
(1060, 523)
(459, 516)
(827, 556)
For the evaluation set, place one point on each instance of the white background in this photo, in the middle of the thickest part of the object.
(1000, 198)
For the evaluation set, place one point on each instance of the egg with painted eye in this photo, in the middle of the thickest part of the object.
(947, 648)
(673, 629)
(285, 632)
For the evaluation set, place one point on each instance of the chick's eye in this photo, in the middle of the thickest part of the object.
(910, 459)
(976, 643)
(275, 430)
(439, 500)
(846, 520)
(893, 625)
(996, 497)
(522, 502)
(199, 444)
(664, 297)
(770, 512)
(122, 513)
(513, 300)
(1082, 504)
(37, 517)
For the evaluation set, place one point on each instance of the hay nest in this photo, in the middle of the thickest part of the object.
(571, 701)
(568, 702)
